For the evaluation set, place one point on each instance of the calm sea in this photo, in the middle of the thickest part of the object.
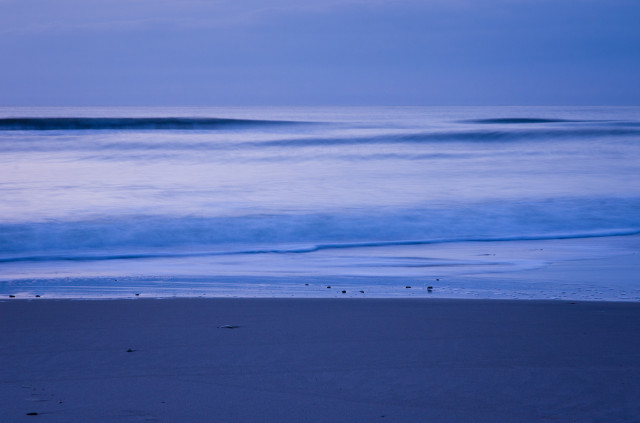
(111, 202)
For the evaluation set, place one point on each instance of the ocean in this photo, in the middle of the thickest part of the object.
(312, 201)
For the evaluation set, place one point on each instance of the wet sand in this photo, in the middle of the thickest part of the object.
(319, 360)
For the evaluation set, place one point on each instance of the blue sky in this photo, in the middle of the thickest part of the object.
(334, 52)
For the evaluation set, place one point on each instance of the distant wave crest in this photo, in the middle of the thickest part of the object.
(97, 123)
(459, 136)
(519, 120)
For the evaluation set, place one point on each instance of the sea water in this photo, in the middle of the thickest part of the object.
(110, 202)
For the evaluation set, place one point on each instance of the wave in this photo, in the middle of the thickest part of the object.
(457, 136)
(141, 234)
(312, 248)
(167, 144)
(101, 146)
(101, 123)
(521, 120)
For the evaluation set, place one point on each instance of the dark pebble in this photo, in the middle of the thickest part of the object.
(32, 414)
(306, 284)
(344, 292)
(362, 292)
(407, 286)
(37, 296)
(130, 350)
(329, 287)
(137, 295)
(12, 296)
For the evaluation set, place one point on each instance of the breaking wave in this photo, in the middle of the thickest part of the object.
(308, 249)
(163, 236)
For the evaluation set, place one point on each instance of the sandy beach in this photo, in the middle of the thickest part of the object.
(319, 360)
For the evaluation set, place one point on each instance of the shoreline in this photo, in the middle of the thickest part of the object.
(320, 299)
(594, 269)
(320, 360)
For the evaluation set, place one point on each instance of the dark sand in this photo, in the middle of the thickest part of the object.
(319, 360)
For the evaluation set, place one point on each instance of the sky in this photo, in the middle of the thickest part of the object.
(329, 52)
